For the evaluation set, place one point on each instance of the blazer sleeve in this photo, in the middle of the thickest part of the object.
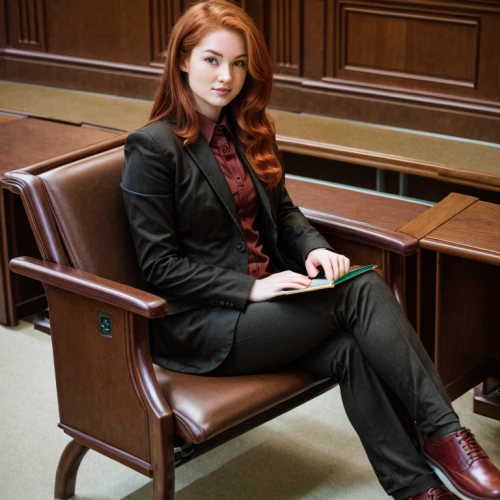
(148, 188)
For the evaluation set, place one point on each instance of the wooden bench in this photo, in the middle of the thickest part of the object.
(451, 160)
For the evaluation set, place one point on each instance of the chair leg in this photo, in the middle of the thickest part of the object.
(67, 470)
(164, 483)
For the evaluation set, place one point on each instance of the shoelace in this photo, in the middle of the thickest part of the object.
(440, 493)
(468, 442)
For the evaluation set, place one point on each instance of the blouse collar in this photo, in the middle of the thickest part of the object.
(207, 126)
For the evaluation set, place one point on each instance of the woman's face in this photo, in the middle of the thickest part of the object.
(216, 71)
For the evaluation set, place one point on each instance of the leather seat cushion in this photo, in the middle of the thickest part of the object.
(206, 406)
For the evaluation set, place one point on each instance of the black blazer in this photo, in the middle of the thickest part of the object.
(191, 247)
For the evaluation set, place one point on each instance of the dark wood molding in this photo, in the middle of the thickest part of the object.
(3, 26)
(491, 6)
(27, 24)
(163, 17)
(440, 116)
(285, 36)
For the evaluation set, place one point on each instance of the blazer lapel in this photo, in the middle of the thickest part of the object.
(205, 159)
(259, 186)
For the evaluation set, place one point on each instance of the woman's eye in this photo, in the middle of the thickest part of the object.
(240, 64)
(211, 60)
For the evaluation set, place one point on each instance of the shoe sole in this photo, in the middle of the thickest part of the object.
(451, 486)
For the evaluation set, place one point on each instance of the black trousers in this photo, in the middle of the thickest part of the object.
(357, 333)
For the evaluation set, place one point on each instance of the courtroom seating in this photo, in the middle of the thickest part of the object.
(25, 142)
(111, 397)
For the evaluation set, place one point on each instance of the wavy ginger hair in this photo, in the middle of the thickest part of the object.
(174, 99)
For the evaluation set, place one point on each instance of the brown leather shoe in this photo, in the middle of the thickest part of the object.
(435, 493)
(467, 466)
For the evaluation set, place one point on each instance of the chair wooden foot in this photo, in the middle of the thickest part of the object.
(67, 470)
(164, 486)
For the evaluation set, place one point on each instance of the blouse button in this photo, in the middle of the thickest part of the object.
(241, 212)
(224, 149)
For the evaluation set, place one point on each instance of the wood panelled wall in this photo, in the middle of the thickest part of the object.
(431, 65)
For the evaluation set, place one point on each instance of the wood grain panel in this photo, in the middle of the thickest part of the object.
(285, 36)
(3, 27)
(257, 10)
(467, 316)
(114, 30)
(313, 39)
(404, 45)
(164, 14)
(434, 48)
(26, 24)
(78, 319)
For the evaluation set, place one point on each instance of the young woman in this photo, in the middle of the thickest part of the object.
(217, 235)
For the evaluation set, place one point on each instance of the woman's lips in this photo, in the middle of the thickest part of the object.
(222, 91)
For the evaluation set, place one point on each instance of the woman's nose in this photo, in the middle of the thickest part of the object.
(225, 74)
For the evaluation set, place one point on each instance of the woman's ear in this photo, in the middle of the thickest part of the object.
(183, 66)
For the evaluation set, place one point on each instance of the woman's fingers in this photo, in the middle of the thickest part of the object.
(312, 270)
(289, 276)
(295, 286)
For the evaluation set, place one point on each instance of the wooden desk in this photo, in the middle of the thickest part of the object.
(24, 142)
(467, 343)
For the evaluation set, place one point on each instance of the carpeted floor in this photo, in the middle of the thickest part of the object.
(310, 453)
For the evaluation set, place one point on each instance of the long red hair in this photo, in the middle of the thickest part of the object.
(174, 99)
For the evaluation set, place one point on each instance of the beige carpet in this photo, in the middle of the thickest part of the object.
(311, 453)
(122, 113)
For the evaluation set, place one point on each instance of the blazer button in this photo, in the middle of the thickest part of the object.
(215, 302)
(241, 247)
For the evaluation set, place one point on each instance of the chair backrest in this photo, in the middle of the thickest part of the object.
(89, 229)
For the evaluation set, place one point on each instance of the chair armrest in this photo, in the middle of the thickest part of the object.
(91, 286)
(385, 239)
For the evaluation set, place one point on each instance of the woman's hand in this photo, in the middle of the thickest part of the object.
(267, 288)
(334, 264)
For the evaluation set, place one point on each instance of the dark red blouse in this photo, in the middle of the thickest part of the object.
(222, 144)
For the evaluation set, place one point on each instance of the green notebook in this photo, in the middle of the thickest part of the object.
(322, 283)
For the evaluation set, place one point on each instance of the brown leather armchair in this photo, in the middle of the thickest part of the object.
(111, 397)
